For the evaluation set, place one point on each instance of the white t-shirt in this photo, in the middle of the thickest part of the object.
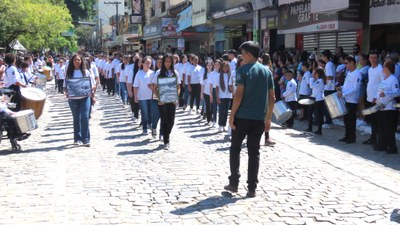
(226, 93)
(155, 77)
(232, 64)
(60, 71)
(206, 84)
(108, 69)
(290, 92)
(12, 76)
(232, 81)
(317, 88)
(115, 65)
(330, 71)
(195, 73)
(78, 74)
(305, 84)
(94, 69)
(180, 68)
(351, 86)
(390, 87)
(142, 81)
(214, 79)
(123, 73)
(375, 76)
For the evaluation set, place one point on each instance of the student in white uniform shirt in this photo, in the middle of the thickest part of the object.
(115, 72)
(135, 63)
(375, 76)
(206, 90)
(194, 75)
(13, 80)
(330, 72)
(60, 74)
(305, 90)
(213, 80)
(317, 84)
(179, 67)
(350, 91)
(386, 93)
(224, 95)
(232, 58)
(110, 77)
(123, 79)
(186, 65)
(143, 94)
(290, 96)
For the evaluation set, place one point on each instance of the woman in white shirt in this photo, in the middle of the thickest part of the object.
(206, 90)
(80, 106)
(224, 95)
(213, 80)
(194, 76)
(317, 84)
(123, 78)
(143, 93)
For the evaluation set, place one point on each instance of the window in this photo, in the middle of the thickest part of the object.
(163, 7)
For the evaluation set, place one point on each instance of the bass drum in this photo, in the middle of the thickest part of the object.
(33, 98)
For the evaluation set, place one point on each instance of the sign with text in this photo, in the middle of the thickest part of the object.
(152, 30)
(184, 19)
(382, 12)
(199, 16)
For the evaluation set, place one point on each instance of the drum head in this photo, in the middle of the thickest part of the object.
(306, 101)
(34, 94)
(284, 117)
(23, 112)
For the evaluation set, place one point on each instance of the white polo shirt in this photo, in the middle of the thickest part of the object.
(351, 86)
(142, 81)
(375, 76)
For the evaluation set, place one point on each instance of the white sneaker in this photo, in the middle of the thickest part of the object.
(78, 143)
(166, 146)
(326, 126)
(190, 112)
(220, 129)
(161, 138)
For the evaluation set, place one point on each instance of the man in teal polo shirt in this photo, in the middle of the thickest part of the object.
(250, 115)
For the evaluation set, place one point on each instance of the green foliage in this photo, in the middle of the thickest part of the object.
(80, 9)
(37, 24)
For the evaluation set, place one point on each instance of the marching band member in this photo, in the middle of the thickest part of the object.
(12, 80)
(317, 84)
(290, 95)
(350, 91)
(387, 91)
(305, 90)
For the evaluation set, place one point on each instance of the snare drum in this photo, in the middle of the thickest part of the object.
(306, 101)
(33, 98)
(25, 121)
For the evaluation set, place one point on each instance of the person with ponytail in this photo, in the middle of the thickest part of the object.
(80, 106)
(12, 80)
(206, 90)
(135, 66)
(224, 95)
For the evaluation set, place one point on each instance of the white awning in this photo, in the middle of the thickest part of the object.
(15, 45)
(284, 2)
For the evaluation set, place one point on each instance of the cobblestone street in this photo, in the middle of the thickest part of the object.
(127, 178)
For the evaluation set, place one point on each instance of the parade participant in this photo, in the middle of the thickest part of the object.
(137, 66)
(250, 116)
(232, 59)
(213, 80)
(60, 74)
(363, 60)
(123, 79)
(375, 76)
(94, 69)
(206, 90)
(290, 96)
(110, 77)
(180, 67)
(24, 73)
(142, 92)
(115, 70)
(350, 91)
(80, 106)
(266, 58)
(317, 84)
(167, 110)
(12, 80)
(186, 60)
(155, 111)
(194, 75)
(224, 95)
(387, 91)
(330, 72)
(305, 90)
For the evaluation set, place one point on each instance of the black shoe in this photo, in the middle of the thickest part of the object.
(343, 139)
(369, 142)
(318, 132)
(350, 141)
(231, 188)
(251, 194)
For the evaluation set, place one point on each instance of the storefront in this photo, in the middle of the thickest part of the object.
(385, 25)
(322, 30)
(152, 36)
(161, 37)
(271, 40)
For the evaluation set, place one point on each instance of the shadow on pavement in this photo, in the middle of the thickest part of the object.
(142, 152)
(48, 149)
(208, 203)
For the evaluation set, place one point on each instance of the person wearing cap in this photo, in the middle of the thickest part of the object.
(330, 73)
(350, 91)
(290, 95)
(232, 59)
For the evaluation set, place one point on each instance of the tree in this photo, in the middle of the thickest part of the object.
(80, 9)
(34, 22)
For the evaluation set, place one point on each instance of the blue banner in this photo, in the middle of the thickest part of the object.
(184, 19)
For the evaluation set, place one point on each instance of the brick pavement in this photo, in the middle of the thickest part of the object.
(127, 178)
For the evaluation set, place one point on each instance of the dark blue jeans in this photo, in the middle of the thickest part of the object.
(80, 112)
(155, 115)
(214, 106)
(223, 111)
(145, 109)
(253, 129)
(123, 92)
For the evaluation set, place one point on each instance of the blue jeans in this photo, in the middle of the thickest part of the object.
(123, 92)
(223, 111)
(186, 95)
(214, 106)
(80, 112)
(155, 115)
(145, 109)
(116, 84)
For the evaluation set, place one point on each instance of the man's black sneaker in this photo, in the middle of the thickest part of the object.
(251, 193)
(231, 188)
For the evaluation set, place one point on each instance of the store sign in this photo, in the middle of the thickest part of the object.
(320, 6)
(152, 30)
(382, 12)
(169, 27)
(297, 18)
(181, 43)
(184, 19)
(199, 15)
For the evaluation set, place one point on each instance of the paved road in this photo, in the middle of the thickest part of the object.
(127, 178)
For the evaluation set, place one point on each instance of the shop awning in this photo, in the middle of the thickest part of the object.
(285, 2)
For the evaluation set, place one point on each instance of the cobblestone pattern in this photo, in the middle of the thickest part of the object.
(127, 178)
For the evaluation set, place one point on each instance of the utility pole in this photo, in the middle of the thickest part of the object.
(116, 3)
